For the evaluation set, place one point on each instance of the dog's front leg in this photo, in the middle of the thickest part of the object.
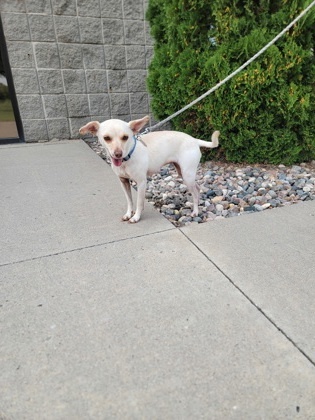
(141, 187)
(125, 183)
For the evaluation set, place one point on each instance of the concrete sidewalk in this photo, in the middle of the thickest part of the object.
(101, 319)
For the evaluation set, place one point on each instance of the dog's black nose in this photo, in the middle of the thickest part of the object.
(118, 154)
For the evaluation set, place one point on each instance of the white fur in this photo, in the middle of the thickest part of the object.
(155, 150)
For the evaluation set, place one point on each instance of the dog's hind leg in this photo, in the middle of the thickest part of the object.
(178, 169)
(194, 189)
(125, 183)
(188, 168)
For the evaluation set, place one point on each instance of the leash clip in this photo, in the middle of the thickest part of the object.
(146, 131)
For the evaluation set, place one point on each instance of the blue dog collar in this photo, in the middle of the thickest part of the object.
(131, 151)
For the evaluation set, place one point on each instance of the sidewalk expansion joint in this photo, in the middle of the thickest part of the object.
(68, 251)
(263, 313)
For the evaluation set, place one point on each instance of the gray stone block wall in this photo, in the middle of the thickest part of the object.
(74, 61)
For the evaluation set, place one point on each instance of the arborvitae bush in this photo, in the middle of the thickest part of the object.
(267, 112)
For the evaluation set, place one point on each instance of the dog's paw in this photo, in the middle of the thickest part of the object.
(127, 216)
(134, 219)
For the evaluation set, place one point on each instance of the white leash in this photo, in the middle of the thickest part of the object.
(275, 39)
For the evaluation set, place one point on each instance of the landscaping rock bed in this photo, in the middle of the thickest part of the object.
(228, 190)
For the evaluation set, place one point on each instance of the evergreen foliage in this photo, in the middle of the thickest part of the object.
(267, 112)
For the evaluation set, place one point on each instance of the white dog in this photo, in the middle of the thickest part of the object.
(135, 159)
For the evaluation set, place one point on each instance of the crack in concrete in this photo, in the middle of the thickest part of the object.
(251, 301)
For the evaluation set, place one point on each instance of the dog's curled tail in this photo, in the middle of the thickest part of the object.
(210, 144)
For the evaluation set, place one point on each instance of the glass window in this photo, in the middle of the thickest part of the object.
(10, 122)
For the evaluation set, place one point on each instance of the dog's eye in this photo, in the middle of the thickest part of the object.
(107, 138)
(125, 137)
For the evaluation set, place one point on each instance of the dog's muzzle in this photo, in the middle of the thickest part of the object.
(116, 161)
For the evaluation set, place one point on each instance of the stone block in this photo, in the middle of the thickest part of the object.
(55, 106)
(138, 117)
(41, 27)
(58, 128)
(117, 81)
(76, 124)
(93, 56)
(137, 80)
(35, 130)
(78, 105)
(134, 32)
(25, 81)
(64, 7)
(47, 55)
(123, 117)
(74, 81)
(71, 56)
(100, 105)
(133, 9)
(67, 29)
(89, 8)
(139, 103)
(119, 104)
(115, 57)
(30, 106)
(15, 6)
(96, 81)
(15, 26)
(136, 58)
(50, 81)
(20, 54)
(91, 30)
(38, 6)
(111, 8)
(113, 31)
(99, 118)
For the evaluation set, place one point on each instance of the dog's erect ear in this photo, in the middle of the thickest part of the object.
(92, 127)
(136, 125)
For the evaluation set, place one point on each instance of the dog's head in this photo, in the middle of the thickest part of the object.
(115, 135)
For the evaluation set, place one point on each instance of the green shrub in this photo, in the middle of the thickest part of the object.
(267, 112)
